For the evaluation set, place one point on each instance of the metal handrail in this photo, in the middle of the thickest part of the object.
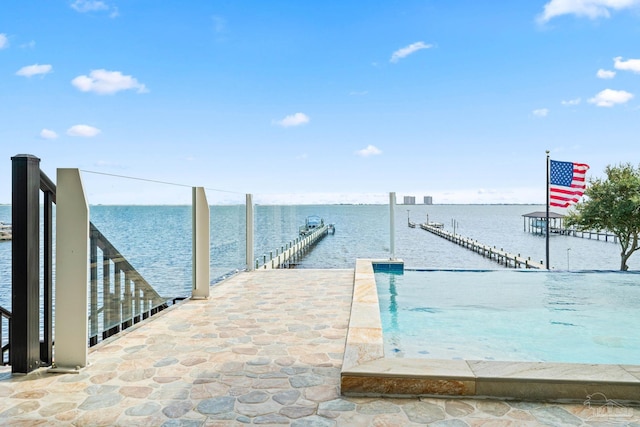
(121, 307)
(119, 310)
(4, 353)
(127, 304)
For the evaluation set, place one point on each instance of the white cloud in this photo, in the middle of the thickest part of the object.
(628, 65)
(84, 6)
(572, 101)
(89, 5)
(219, 24)
(83, 130)
(408, 50)
(105, 82)
(541, 112)
(591, 9)
(296, 119)
(605, 74)
(4, 41)
(610, 97)
(48, 134)
(35, 69)
(370, 150)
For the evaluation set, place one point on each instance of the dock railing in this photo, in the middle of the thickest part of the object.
(289, 254)
(498, 255)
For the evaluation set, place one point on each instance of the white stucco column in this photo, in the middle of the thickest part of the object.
(201, 244)
(72, 272)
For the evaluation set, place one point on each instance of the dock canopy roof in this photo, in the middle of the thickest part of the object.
(541, 214)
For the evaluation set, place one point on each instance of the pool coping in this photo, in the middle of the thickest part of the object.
(367, 372)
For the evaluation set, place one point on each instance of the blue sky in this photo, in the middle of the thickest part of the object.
(319, 101)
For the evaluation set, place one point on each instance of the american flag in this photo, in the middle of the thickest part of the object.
(566, 183)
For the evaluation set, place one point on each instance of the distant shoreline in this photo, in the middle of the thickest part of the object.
(323, 204)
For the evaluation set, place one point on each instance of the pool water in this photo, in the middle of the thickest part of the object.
(512, 315)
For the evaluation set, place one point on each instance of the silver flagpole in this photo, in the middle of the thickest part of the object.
(547, 218)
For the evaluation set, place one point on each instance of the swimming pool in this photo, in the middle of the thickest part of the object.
(511, 315)
(368, 370)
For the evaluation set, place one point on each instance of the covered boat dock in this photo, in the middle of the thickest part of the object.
(536, 222)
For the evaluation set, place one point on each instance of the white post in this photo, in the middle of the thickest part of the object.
(201, 244)
(249, 239)
(392, 224)
(72, 272)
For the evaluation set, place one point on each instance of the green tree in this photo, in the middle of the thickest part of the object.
(612, 204)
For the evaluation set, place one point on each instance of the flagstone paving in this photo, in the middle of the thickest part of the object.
(265, 349)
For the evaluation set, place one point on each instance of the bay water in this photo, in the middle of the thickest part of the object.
(157, 239)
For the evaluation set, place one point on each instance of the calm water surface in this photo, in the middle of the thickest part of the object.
(157, 239)
(512, 315)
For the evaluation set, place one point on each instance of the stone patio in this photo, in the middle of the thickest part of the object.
(266, 349)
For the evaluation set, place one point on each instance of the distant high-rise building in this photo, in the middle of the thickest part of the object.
(428, 200)
(409, 200)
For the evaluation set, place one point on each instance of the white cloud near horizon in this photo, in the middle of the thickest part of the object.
(591, 9)
(370, 150)
(576, 101)
(85, 131)
(408, 50)
(632, 65)
(48, 134)
(610, 97)
(605, 74)
(296, 119)
(4, 41)
(33, 70)
(105, 82)
(541, 112)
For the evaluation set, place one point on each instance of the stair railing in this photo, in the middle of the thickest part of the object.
(124, 299)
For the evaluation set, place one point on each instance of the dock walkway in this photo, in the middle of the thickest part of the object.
(265, 348)
(292, 252)
(498, 255)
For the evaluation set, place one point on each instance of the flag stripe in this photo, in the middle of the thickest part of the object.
(567, 182)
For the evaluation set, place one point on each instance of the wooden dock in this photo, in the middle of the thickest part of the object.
(498, 255)
(536, 223)
(607, 237)
(289, 255)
